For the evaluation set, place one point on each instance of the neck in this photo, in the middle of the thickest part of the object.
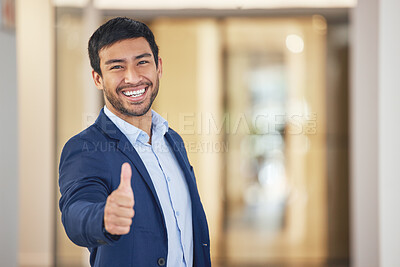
(141, 122)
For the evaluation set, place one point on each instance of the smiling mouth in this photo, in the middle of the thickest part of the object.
(134, 93)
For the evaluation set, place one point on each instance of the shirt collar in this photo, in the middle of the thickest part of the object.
(159, 127)
(159, 124)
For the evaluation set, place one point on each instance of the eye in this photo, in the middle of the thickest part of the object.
(143, 62)
(116, 67)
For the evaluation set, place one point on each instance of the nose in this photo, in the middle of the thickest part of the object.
(132, 76)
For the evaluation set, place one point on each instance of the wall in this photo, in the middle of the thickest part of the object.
(8, 149)
(37, 176)
(389, 142)
(364, 134)
(375, 197)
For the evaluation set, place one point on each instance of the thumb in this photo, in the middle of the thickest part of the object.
(126, 174)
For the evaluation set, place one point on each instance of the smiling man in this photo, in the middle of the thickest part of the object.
(134, 203)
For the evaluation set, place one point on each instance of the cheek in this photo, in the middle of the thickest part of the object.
(154, 74)
(111, 81)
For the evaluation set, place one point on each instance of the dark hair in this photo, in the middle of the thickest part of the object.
(115, 30)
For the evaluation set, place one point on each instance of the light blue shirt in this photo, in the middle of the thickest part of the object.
(169, 183)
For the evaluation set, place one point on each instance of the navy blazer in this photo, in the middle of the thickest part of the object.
(90, 168)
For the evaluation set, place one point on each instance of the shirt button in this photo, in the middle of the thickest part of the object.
(168, 179)
(177, 213)
(161, 261)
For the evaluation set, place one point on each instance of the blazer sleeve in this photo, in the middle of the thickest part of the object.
(84, 181)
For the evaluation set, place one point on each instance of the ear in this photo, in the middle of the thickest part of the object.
(159, 68)
(98, 80)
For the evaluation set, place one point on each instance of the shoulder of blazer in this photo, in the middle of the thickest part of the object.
(175, 135)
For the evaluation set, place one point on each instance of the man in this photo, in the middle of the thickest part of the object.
(128, 190)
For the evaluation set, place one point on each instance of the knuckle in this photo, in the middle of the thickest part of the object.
(107, 211)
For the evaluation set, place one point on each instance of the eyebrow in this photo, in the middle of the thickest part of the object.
(143, 55)
(112, 61)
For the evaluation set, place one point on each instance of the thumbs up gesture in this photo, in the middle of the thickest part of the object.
(118, 212)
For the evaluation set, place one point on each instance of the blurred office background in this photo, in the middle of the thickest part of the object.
(288, 111)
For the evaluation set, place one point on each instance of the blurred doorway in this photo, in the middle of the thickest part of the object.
(276, 180)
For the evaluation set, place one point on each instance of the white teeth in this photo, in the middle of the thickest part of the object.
(134, 93)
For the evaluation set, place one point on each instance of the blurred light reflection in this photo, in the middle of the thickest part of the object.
(294, 43)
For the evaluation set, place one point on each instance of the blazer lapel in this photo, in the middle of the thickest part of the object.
(200, 228)
(190, 180)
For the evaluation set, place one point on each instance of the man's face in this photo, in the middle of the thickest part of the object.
(130, 78)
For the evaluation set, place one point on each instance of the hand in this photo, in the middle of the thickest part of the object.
(118, 212)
